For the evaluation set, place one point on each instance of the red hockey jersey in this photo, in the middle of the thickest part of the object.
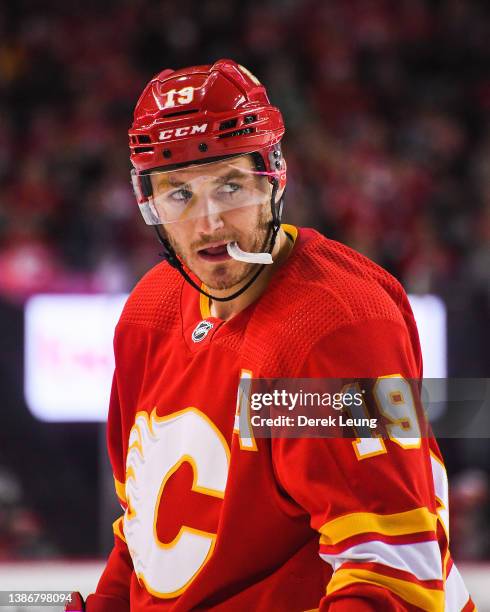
(218, 520)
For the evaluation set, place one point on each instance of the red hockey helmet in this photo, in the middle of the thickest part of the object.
(194, 117)
(201, 113)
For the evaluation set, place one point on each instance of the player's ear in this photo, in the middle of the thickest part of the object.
(282, 180)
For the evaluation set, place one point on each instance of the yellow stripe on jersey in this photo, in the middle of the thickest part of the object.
(427, 599)
(117, 527)
(120, 490)
(204, 303)
(402, 523)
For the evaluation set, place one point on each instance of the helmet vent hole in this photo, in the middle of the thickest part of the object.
(178, 113)
(249, 118)
(143, 149)
(227, 125)
(144, 139)
(241, 132)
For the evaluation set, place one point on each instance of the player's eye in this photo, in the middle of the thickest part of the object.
(181, 195)
(230, 188)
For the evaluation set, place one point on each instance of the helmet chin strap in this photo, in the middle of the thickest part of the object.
(171, 256)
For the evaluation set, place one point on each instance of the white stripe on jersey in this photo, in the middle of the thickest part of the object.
(456, 592)
(422, 559)
(441, 490)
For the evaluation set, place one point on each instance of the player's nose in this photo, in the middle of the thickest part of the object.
(209, 218)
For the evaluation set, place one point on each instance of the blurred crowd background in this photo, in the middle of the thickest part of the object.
(386, 105)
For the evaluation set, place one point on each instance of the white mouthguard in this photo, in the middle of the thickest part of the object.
(256, 258)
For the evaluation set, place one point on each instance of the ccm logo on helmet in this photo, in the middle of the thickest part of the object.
(182, 131)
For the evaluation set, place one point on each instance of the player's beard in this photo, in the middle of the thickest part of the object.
(228, 274)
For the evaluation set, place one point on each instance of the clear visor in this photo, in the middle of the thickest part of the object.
(201, 190)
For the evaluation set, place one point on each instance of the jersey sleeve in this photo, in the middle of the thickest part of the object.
(112, 591)
(373, 507)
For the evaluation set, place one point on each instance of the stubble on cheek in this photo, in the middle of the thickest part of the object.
(230, 273)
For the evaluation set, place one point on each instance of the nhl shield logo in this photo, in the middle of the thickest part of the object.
(201, 331)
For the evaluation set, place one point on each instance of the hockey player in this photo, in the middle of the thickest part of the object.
(215, 518)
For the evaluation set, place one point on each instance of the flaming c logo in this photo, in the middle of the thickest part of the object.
(158, 446)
